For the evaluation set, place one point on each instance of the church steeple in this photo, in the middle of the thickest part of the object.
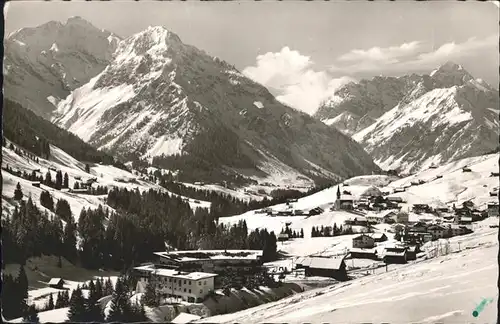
(338, 192)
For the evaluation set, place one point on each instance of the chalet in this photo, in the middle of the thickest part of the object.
(363, 253)
(298, 212)
(315, 211)
(379, 237)
(439, 176)
(493, 209)
(457, 230)
(466, 169)
(437, 231)
(357, 220)
(396, 190)
(386, 217)
(363, 241)
(323, 267)
(421, 208)
(283, 237)
(419, 227)
(495, 174)
(442, 209)
(415, 183)
(421, 181)
(57, 283)
(433, 166)
(464, 220)
(363, 203)
(476, 215)
(411, 252)
(285, 213)
(36, 184)
(402, 218)
(395, 199)
(395, 255)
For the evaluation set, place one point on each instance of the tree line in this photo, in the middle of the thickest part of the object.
(330, 231)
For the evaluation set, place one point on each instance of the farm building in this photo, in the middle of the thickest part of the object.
(402, 218)
(363, 241)
(395, 255)
(357, 220)
(379, 237)
(315, 211)
(466, 169)
(323, 267)
(57, 283)
(363, 253)
(383, 217)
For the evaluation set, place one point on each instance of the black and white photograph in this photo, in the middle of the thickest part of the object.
(250, 162)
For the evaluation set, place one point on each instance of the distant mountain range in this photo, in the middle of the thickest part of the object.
(414, 121)
(150, 96)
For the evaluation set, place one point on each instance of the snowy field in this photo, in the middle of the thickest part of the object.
(444, 289)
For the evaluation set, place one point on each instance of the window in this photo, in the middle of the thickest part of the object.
(175, 280)
(185, 281)
(205, 283)
(201, 291)
(169, 279)
(189, 290)
(184, 289)
(199, 283)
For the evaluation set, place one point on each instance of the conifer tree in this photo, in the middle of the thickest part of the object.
(50, 303)
(87, 168)
(301, 233)
(77, 311)
(66, 181)
(94, 312)
(150, 297)
(59, 180)
(18, 193)
(31, 315)
(59, 300)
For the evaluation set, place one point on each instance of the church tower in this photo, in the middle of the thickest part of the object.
(337, 202)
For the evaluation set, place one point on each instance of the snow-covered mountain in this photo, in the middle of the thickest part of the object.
(413, 121)
(159, 96)
(54, 58)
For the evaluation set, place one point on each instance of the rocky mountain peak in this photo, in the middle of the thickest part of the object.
(450, 74)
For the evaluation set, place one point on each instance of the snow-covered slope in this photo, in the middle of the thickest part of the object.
(54, 58)
(106, 175)
(455, 186)
(159, 96)
(445, 289)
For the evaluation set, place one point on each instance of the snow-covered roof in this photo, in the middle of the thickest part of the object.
(396, 254)
(378, 235)
(175, 273)
(358, 250)
(185, 318)
(191, 255)
(360, 237)
(55, 281)
(321, 263)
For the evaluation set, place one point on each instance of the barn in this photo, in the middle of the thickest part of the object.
(323, 267)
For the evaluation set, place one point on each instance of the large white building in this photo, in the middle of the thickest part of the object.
(188, 286)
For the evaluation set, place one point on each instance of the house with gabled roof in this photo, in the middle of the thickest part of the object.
(323, 267)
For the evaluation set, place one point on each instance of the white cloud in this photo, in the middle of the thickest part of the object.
(380, 54)
(291, 74)
(400, 59)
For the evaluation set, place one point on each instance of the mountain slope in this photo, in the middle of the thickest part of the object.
(160, 97)
(443, 125)
(54, 58)
(413, 121)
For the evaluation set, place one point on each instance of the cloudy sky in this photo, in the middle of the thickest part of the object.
(303, 51)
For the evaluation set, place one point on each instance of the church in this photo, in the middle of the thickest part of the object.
(344, 201)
